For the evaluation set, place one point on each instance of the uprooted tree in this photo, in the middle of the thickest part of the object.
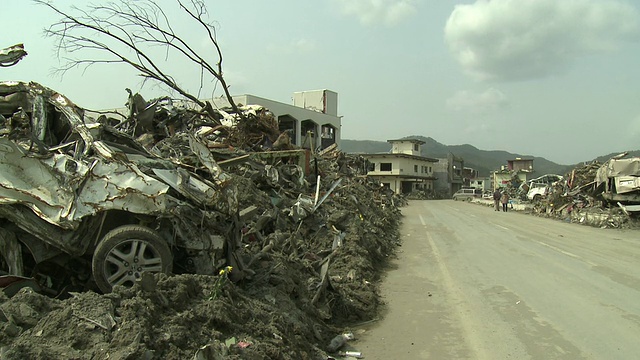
(125, 32)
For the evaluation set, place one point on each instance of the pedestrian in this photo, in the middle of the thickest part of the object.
(505, 201)
(496, 199)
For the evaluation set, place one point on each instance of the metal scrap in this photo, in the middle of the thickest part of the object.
(11, 55)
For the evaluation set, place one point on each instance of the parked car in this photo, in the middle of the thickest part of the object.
(82, 205)
(467, 194)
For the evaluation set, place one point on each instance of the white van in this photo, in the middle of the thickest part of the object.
(467, 194)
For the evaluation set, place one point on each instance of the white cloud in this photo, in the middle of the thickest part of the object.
(295, 46)
(370, 12)
(477, 103)
(525, 39)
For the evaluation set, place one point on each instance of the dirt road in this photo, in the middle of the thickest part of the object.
(472, 283)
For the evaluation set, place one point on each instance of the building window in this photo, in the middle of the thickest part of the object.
(415, 147)
(387, 185)
(385, 166)
(415, 168)
(371, 166)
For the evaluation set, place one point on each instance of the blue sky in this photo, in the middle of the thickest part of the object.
(557, 79)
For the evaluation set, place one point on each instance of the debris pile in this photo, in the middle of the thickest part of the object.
(602, 195)
(303, 234)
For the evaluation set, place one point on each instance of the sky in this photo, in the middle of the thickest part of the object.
(548, 78)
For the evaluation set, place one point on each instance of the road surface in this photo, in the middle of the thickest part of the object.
(472, 283)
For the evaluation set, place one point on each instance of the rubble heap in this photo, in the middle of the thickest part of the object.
(305, 248)
(591, 194)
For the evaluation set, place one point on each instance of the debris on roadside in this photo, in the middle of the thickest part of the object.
(303, 232)
(602, 195)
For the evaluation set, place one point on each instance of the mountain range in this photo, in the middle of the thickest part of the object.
(485, 161)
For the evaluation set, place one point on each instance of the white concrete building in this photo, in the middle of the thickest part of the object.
(403, 169)
(312, 120)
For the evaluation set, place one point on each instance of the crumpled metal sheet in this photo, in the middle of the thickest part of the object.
(48, 186)
(618, 167)
(39, 184)
(11, 55)
(627, 184)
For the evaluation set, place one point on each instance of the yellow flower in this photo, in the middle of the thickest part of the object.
(225, 270)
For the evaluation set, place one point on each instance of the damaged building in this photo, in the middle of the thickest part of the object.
(516, 172)
(312, 121)
(449, 174)
(403, 170)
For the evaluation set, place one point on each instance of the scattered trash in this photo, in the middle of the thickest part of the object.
(339, 341)
(352, 354)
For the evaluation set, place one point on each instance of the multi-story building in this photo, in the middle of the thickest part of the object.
(312, 121)
(404, 169)
(449, 172)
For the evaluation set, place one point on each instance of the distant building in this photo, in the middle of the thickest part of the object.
(519, 164)
(449, 174)
(515, 172)
(312, 120)
(483, 183)
(403, 169)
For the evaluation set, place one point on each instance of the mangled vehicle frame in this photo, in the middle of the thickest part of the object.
(85, 206)
(618, 180)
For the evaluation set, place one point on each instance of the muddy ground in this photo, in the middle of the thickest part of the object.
(280, 308)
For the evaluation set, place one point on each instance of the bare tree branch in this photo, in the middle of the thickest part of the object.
(123, 32)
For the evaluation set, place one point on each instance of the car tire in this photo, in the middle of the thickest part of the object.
(536, 197)
(125, 252)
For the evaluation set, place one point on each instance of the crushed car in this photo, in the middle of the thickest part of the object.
(540, 187)
(618, 180)
(85, 206)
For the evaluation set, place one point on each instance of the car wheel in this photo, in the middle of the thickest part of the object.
(125, 253)
(536, 197)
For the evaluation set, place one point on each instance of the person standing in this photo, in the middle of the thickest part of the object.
(496, 199)
(505, 201)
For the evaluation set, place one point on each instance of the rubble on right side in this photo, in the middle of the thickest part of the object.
(605, 195)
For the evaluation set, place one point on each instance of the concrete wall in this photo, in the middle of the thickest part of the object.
(324, 101)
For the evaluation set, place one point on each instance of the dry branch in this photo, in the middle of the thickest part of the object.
(124, 32)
